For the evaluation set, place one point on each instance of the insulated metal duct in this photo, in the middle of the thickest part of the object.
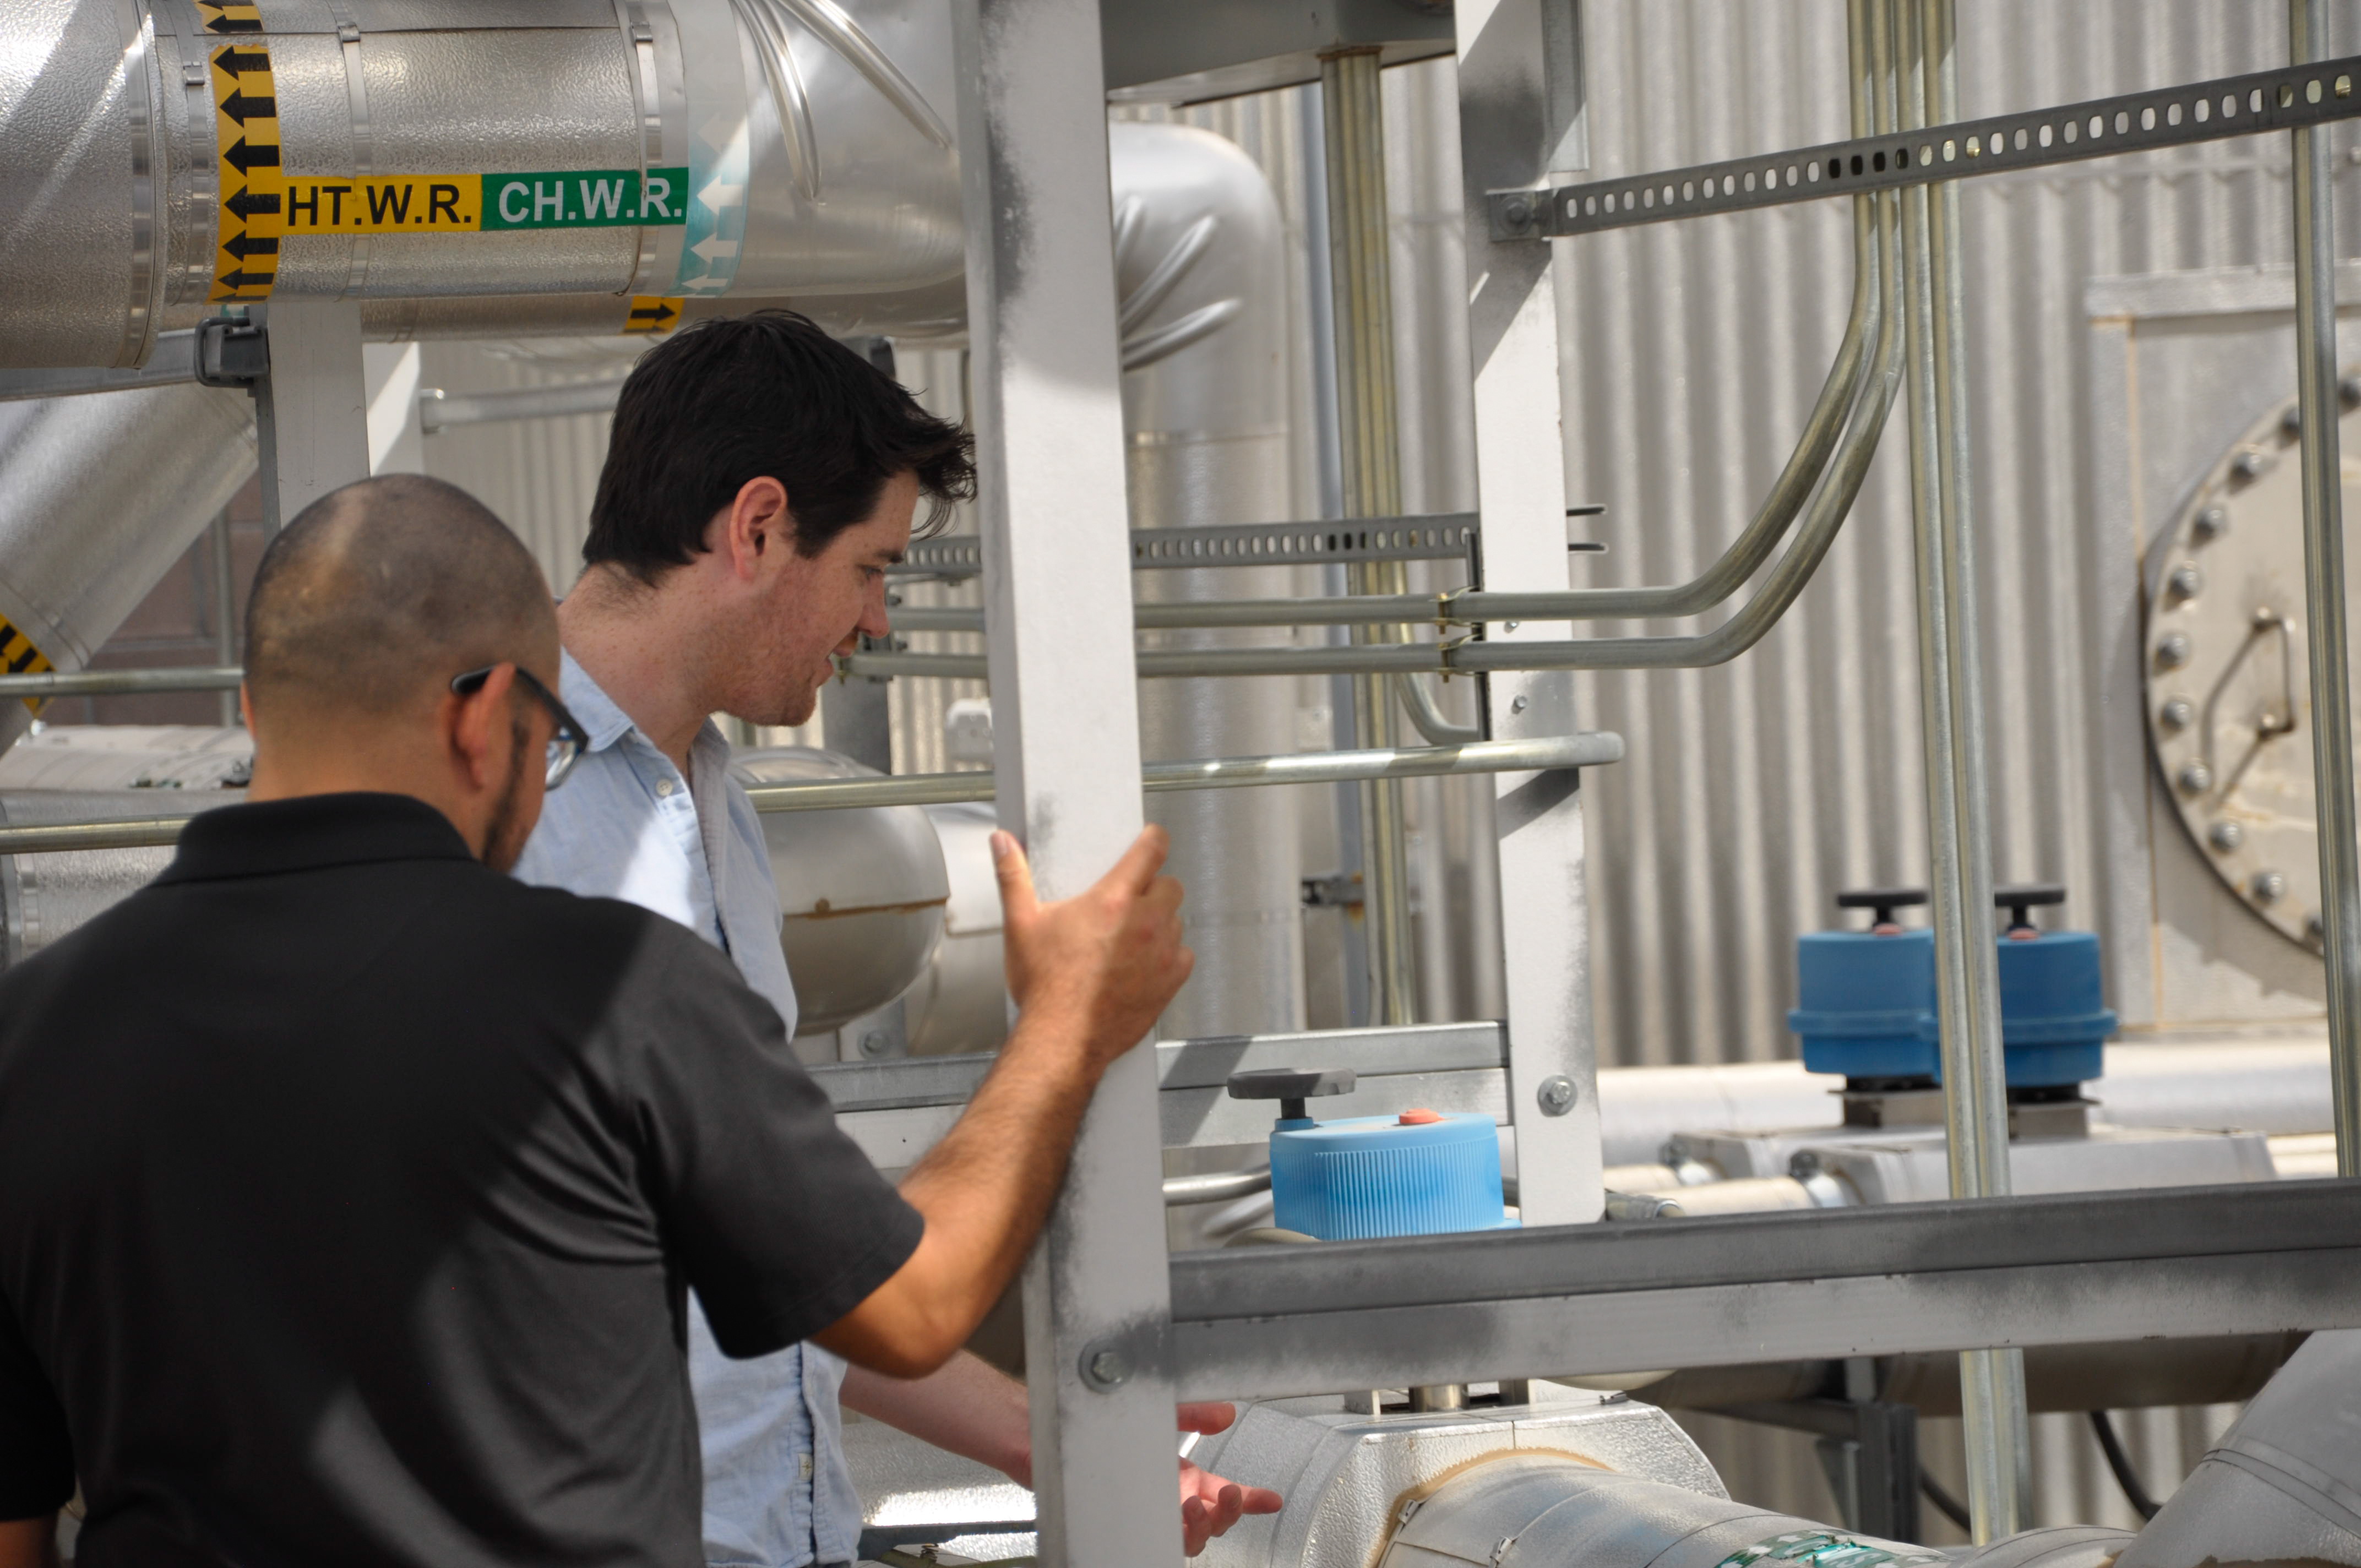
(44, 897)
(408, 148)
(104, 492)
(2284, 1485)
(1198, 270)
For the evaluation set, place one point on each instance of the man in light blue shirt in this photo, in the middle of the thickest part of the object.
(759, 481)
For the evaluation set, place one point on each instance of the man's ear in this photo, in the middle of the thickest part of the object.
(470, 722)
(756, 522)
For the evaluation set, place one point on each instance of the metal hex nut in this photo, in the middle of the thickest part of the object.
(1105, 1368)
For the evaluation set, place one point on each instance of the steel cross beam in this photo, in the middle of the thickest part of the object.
(2056, 1269)
(2278, 100)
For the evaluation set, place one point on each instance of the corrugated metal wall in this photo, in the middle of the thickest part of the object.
(1753, 792)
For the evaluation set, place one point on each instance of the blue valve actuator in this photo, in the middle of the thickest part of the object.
(1866, 999)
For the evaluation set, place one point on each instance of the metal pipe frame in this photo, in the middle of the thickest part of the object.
(2323, 592)
(1951, 728)
(2167, 1263)
(1360, 287)
(439, 411)
(1590, 748)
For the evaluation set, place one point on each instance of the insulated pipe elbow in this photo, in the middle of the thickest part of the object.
(2284, 1484)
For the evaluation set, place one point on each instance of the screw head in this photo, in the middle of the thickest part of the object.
(1517, 211)
(874, 1044)
(2348, 391)
(1556, 1095)
(2172, 650)
(1804, 1164)
(1511, 625)
(2268, 887)
(1105, 1368)
(2185, 583)
(2225, 836)
(2178, 713)
(1517, 704)
(2195, 778)
(2291, 421)
(2211, 524)
(2249, 464)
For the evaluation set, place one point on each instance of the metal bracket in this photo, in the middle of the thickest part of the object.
(2278, 100)
(232, 352)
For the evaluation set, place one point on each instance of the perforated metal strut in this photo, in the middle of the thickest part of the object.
(2260, 101)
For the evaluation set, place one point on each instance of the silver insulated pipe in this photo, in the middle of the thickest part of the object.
(101, 494)
(159, 160)
(1198, 270)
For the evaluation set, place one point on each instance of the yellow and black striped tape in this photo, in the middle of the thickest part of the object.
(253, 192)
(19, 657)
(652, 312)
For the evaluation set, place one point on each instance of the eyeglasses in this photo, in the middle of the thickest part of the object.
(567, 742)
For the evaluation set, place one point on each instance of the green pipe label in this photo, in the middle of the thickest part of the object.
(1825, 1549)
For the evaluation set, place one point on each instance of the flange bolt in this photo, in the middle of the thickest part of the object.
(2172, 650)
(2225, 836)
(2195, 778)
(2212, 524)
(2176, 713)
(2268, 887)
(1105, 1368)
(2185, 583)
(1556, 1094)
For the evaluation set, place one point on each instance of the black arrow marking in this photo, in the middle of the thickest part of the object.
(243, 246)
(656, 315)
(245, 205)
(233, 24)
(238, 106)
(231, 63)
(239, 279)
(246, 160)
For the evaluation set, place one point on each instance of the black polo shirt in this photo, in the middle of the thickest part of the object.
(349, 1191)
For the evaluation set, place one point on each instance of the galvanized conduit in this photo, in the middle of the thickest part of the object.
(1587, 749)
(1832, 500)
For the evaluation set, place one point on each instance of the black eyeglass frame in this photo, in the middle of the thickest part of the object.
(569, 730)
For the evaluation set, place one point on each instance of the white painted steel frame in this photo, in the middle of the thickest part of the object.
(312, 416)
(1507, 139)
(1048, 422)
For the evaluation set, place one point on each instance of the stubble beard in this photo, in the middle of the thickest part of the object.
(504, 843)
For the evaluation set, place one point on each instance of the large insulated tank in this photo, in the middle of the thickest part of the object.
(862, 892)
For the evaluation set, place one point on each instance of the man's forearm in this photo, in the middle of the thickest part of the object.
(983, 1191)
(969, 1407)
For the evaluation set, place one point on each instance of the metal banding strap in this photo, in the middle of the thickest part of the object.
(348, 40)
(719, 150)
(245, 134)
(138, 60)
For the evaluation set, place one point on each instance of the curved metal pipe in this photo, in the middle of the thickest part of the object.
(1426, 716)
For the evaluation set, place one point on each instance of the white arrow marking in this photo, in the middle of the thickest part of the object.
(713, 247)
(717, 195)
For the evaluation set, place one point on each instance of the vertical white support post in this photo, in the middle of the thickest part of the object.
(312, 417)
(1520, 121)
(1047, 411)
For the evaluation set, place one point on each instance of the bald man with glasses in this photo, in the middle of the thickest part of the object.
(352, 1191)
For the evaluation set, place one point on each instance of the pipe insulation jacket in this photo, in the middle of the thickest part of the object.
(104, 493)
(155, 168)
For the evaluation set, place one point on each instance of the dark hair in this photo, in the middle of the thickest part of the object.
(731, 399)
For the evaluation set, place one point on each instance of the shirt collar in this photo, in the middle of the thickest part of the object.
(606, 723)
(588, 702)
(311, 832)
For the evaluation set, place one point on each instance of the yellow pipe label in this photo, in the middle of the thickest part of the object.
(246, 135)
(652, 312)
(19, 657)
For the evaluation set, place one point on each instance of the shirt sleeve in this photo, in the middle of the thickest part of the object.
(37, 1467)
(779, 1222)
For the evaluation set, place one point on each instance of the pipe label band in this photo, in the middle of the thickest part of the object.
(652, 312)
(246, 138)
(1831, 1549)
(467, 203)
(19, 657)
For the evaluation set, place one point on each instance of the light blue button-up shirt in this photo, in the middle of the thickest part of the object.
(627, 826)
